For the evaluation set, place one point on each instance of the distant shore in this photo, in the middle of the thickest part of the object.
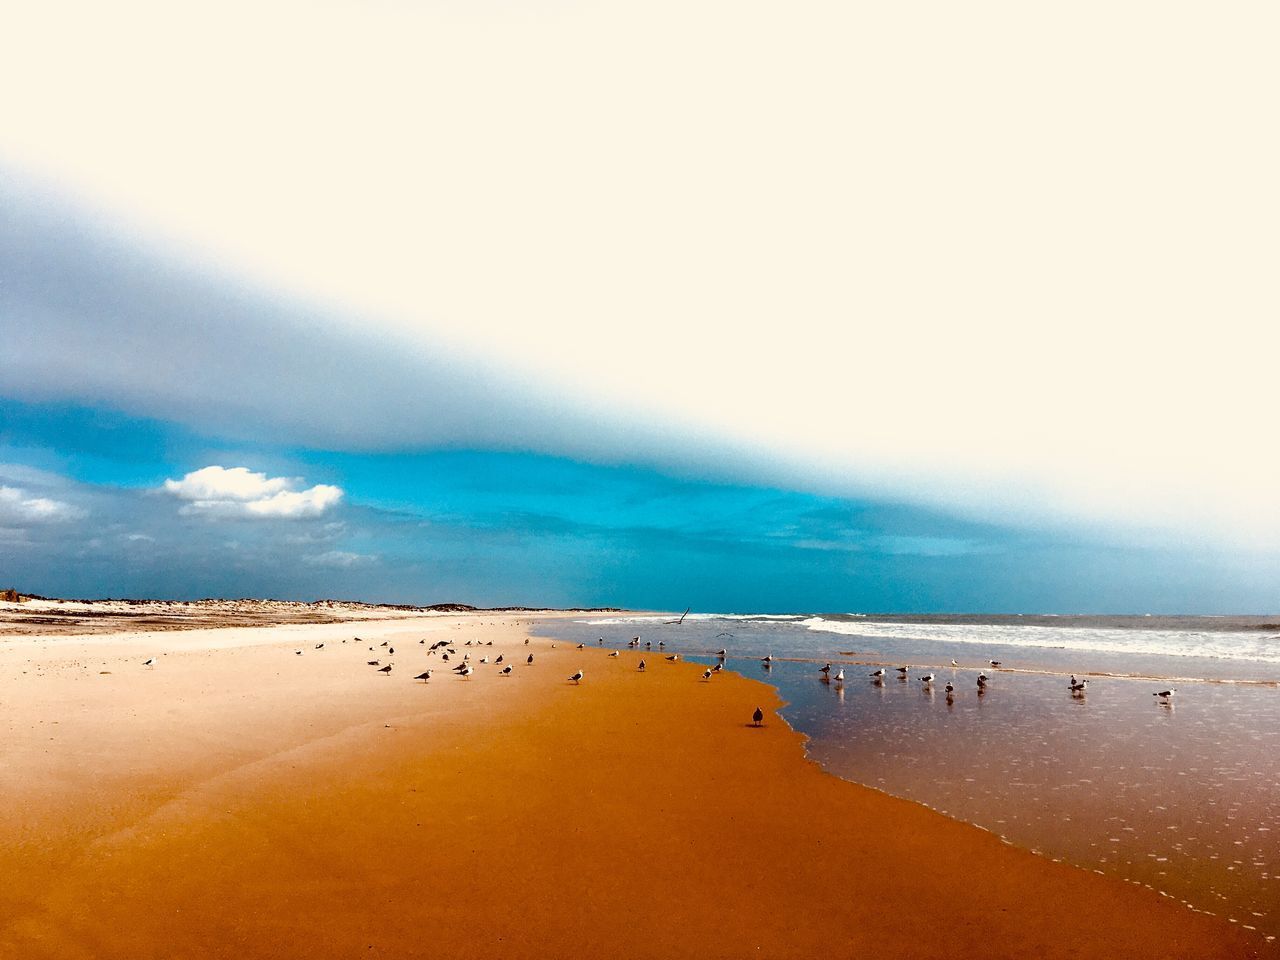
(27, 614)
(254, 794)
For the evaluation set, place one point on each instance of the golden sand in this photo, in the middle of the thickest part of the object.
(240, 800)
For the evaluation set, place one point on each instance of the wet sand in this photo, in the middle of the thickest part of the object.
(240, 800)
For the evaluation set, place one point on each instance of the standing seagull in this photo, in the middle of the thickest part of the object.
(501, 657)
(530, 660)
(1077, 687)
(717, 668)
(757, 717)
(426, 675)
(641, 668)
(505, 671)
(995, 663)
(319, 646)
(466, 671)
(950, 688)
(614, 654)
(839, 677)
(927, 679)
(149, 662)
(1166, 694)
(386, 669)
(903, 672)
(722, 653)
(706, 674)
(826, 668)
(878, 674)
(577, 677)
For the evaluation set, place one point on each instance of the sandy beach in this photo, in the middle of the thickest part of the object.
(239, 799)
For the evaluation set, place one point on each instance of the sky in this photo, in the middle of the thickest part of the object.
(744, 306)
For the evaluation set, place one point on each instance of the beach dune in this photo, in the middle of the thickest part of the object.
(239, 800)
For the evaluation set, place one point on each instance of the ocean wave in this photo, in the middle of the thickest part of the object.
(1235, 645)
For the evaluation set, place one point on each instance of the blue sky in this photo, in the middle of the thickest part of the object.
(664, 304)
(493, 527)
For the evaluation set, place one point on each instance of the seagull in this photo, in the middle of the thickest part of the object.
(460, 667)
(706, 674)
(426, 675)
(298, 652)
(642, 666)
(319, 646)
(839, 678)
(386, 669)
(530, 660)
(466, 671)
(151, 661)
(577, 677)
(1166, 694)
(717, 668)
(420, 641)
(1077, 687)
(927, 679)
(466, 656)
(722, 653)
(767, 660)
(662, 644)
(373, 663)
(648, 644)
(614, 654)
(600, 641)
(383, 643)
(950, 687)
(982, 679)
(505, 671)
(582, 646)
(391, 650)
(955, 663)
(674, 657)
(484, 659)
(757, 716)
(995, 663)
(903, 670)
(826, 669)
(444, 656)
(499, 660)
(526, 641)
(878, 674)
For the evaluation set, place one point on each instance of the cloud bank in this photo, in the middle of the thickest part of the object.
(912, 250)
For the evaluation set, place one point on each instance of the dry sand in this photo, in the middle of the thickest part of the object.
(239, 800)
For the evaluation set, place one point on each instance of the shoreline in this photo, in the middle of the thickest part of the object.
(241, 800)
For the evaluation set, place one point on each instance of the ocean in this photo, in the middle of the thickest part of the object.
(1180, 794)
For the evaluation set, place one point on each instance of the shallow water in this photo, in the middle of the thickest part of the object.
(1183, 796)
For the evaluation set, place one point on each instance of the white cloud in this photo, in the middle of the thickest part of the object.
(17, 508)
(241, 492)
(339, 559)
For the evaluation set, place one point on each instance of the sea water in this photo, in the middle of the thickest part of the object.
(1181, 795)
